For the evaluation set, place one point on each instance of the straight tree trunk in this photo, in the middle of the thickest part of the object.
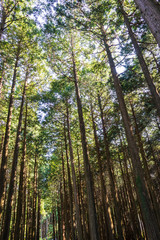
(54, 235)
(38, 217)
(150, 222)
(34, 203)
(150, 10)
(7, 220)
(144, 67)
(1, 78)
(108, 230)
(21, 186)
(71, 199)
(7, 135)
(81, 199)
(23, 228)
(146, 168)
(88, 176)
(1, 146)
(65, 217)
(75, 192)
(111, 175)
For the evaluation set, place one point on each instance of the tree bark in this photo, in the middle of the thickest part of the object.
(38, 217)
(144, 67)
(150, 10)
(5, 234)
(34, 203)
(150, 222)
(7, 135)
(21, 186)
(108, 230)
(111, 175)
(89, 182)
(76, 199)
(3, 21)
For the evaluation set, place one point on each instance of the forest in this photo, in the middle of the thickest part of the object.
(80, 120)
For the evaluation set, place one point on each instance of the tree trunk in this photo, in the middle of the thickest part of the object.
(89, 182)
(7, 134)
(5, 234)
(1, 78)
(65, 217)
(76, 199)
(54, 235)
(150, 222)
(38, 217)
(34, 203)
(148, 78)
(108, 230)
(71, 200)
(111, 175)
(21, 186)
(3, 21)
(150, 10)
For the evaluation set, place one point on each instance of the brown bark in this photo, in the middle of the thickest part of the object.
(150, 10)
(150, 222)
(29, 209)
(108, 230)
(75, 192)
(65, 213)
(144, 67)
(71, 199)
(7, 135)
(3, 21)
(1, 146)
(111, 175)
(146, 168)
(88, 175)
(54, 234)
(59, 223)
(34, 203)
(21, 186)
(38, 217)
(1, 78)
(81, 199)
(5, 234)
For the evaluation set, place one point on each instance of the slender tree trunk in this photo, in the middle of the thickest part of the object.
(29, 209)
(71, 200)
(23, 228)
(111, 175)
(34, 203)
(108, 230)
(38, 217)
(150, 222)
(1, 78)
(89, 182)
(150, 10)
(76, 199)
(13, 214)
(21, 186)
(144, 67)
(1, 146)
(54, 235)
(7, 134)
(146, 169)
(65, 217)
(59, 224)
(5, 234)
(81, 200)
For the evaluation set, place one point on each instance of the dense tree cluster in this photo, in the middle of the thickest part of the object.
(79, 120)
